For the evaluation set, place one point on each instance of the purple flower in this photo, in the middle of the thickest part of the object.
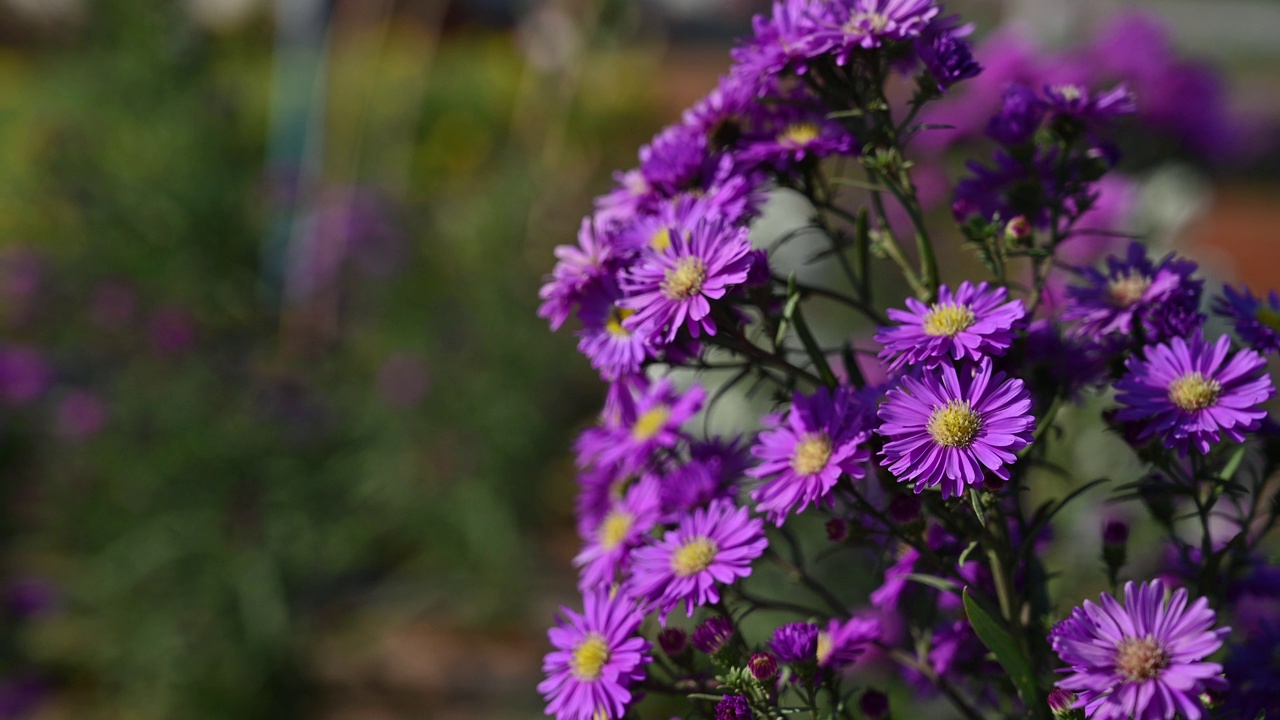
(713, 545)
(706, 477)
(613, 349)
(624, 527)
(598, 656)
(713, 635)
(874, 704)
(729, 112)
(1136, 298)
(671, 289)
(1142, 660)
(1019, 116)
(822, 438)
(734, 707)
(795, 642)
(949, 431)
(24, 374)
(653, 423)
(777, 42)
(1192, 394)
(763, 666)
(798, 136)
(80, 416)
(946, 54)
(843, 641)
(973, 322)
(1076, 101)
(846, 26)
(579, 271)
(1254, 673)
(1256, 320)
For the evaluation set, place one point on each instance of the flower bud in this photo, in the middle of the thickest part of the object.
(713, 635)
(734, 707)
(763, 666)
(1115, 532)
(1017, 230)
(1060, 702)
(837, 530)
(874, 704)
(905, 509)
(673, 641)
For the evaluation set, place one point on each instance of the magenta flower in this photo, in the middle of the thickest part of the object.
(579, 271)
(846, 26)
(1138, 298)
(1142, 660)
(712, 545)
(598, 656)
(613, 349)
(1256, 320)
(672, 288)
(795, 642)
(1192, 394)
(605, 557)
(842, 642)
(654, 422)
(973, 322)
(950, 428)
(822, 438)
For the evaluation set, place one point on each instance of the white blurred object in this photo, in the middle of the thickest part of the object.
(48, 10)
(222, 15)
(1170, 199)
(549, 37)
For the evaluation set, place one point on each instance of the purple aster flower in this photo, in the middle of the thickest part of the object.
(1142, 660)
(798, 136)
(763, 666)
(795, 642)
(713, 545)
(734, 707)
(613, 349)
(579, 271)
(730, 111)
(946, 54)
(1254, 673)
(697, 483)
(1192, 394)
(975, 321)
(822, 438)
(713, 635)
(597, 656)
(1136, 298)
(887, 595)
(846, 26)
(1019, 117)
(675, 160)
(777, 42)
(632, 194)
(671, 289)
(1256, 320)
(950, 429)
(604, 558)
(842, 642)
(1076, 101)
(654, 422)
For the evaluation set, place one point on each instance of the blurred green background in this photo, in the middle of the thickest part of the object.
(280, 433)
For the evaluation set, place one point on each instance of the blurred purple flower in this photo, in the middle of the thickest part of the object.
(113, 304)
(29, 596)
(24, 374)
(172, 331)
(80, 416)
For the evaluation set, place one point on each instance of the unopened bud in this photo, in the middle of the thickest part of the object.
(673, 641)
(1017, 230)
(874, 704)
(763, 666)
(713, 635)
(1115, 532)
(1060, 702)
(837, 530)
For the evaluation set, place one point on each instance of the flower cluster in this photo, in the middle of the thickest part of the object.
(880, 510)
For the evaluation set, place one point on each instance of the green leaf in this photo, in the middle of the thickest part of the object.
(1001, 644)
(1233, 464)
(934, 582)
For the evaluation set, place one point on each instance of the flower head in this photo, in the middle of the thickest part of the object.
(1256, 320)
(712, 545)
(1142, 660)
(1020, 115)
(1158, 300)
(1076, 101)
(795, 642)
(579, 271)
(973, 322)
(949, 429)
(654, 421)
(841, 642)
(1192, 394)
(598, 655)
(823, 437)
(847, 26)
(713, 635)
(605, 556)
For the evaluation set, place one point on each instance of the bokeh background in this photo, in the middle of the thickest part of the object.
(280, 433)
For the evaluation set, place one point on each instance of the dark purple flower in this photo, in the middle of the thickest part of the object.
(946, 53)
(847, 26)
(30, 596)
(974, 322)
(713, 635)
(1115, 532)
(673, 641)
(1019, 117)
(1136, 298)
(24, 374)
(796, 137)
(598, 655)
(1142, 660)
(21, 695)
(803, 459)
(80, 416)
(713, 545)
(1254, 672)
(1192, 394)
(795, 643)
(1256, 320)
(949, 430)
(842, 642)
(653, 423)
(1075, 100)
(734, 707)
(763, 666)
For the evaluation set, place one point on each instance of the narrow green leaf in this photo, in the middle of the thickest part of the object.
(1001, 644)
(1229, 470)
(934, 582)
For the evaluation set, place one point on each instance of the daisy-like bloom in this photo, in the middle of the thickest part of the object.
(946, 54)
(674, 160)
(797, 136)
(653, 423)
(672, 289)
(1256, 320)
(795, 642)
(847, 26)
(804, 457)
(974, 322)
(1193, 394)
(1020, 115)
(842, 642)
(1142, 660)
(777, 41)
(949, 429)
(579, 271)
(1076, 101)
(604, 558)
(712, 545)
(598, 655)
(1157, 300)
(612, 349)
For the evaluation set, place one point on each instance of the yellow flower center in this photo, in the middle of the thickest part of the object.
(947, 319)
(1269, 317)
(589, 657)
(694, 556)
(1069, 92)
(660, 240)
(812, 453)
(1128, 288)
(860, 22)
(650, 422)
(685, 279)
(1194, 391)
(824, 646)
(1139, 659)
(955, 424)
(614, 528)
(799, 134)
(614, 323)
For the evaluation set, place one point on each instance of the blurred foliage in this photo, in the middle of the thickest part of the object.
(204, 478)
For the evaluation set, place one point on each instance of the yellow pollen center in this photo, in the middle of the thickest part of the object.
(650, 422)
(1128, 288)
(947, 319)
(589, 657)
(812, 453)
(860, 22)
(1194, 391)
(1069, 92)
(1139, 659)
(1269, 317)
(614, 529)
(955, 424)
(799, 134)
(694, 556)
(660, 240)
(824, 646)
(614, 323)
(685, 279)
